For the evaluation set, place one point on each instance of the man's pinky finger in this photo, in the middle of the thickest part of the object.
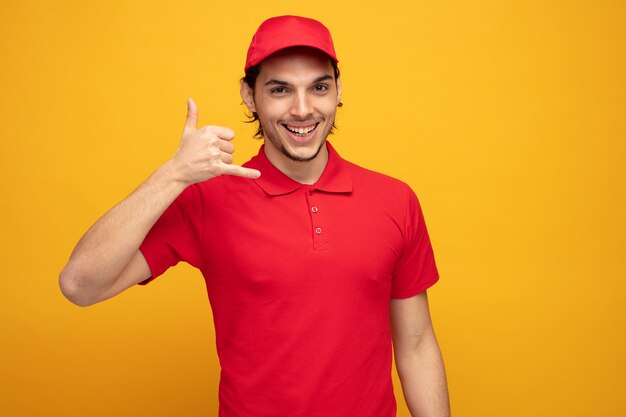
(240, 171)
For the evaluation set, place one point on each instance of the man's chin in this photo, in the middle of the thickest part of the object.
(306, 156)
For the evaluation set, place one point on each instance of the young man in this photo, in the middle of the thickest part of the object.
(313, 265)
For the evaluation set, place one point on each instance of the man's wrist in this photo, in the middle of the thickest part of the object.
(168, 178)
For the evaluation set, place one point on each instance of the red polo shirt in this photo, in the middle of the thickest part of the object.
(299, 279)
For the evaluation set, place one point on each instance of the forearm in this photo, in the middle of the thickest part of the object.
(423, 377)
(108, 246)
(106, 259)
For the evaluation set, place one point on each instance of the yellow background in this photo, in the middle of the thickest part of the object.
(506, 117)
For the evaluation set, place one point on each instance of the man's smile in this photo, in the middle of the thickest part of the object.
(299, 130)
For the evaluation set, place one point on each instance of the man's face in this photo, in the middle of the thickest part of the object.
(295, 97)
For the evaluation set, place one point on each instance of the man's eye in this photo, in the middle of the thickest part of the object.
(321, 87)
(278, 90)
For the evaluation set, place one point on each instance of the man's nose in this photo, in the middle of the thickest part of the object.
(301, 105)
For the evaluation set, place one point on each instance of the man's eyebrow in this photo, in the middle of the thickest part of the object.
(323, 78)
(315, 81)
(277, 82)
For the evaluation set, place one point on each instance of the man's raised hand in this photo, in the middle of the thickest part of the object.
(206, 152)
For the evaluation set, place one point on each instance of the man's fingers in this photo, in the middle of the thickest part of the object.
(192, 114)
(226, 158)
(227, 147)
(220, 131)
(240, 171)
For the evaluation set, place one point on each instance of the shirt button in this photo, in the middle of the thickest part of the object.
(314, 209)
(318, 230)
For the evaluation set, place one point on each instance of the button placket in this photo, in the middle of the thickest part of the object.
(320, 238)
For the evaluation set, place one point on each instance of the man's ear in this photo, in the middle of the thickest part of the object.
(338, 90)
(247, 95)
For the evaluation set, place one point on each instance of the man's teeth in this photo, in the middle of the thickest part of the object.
(301, 130)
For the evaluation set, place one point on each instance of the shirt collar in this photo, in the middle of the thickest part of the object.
(336, 177)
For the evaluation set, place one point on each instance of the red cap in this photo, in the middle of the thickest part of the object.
(283, 32)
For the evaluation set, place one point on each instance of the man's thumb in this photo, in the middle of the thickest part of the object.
(192, 114)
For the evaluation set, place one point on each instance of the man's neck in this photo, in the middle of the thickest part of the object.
(304, 172)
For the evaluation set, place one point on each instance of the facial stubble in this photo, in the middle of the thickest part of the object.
(280, 145)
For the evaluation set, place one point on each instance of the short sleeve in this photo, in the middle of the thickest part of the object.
(415, 270)
(177, 234)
